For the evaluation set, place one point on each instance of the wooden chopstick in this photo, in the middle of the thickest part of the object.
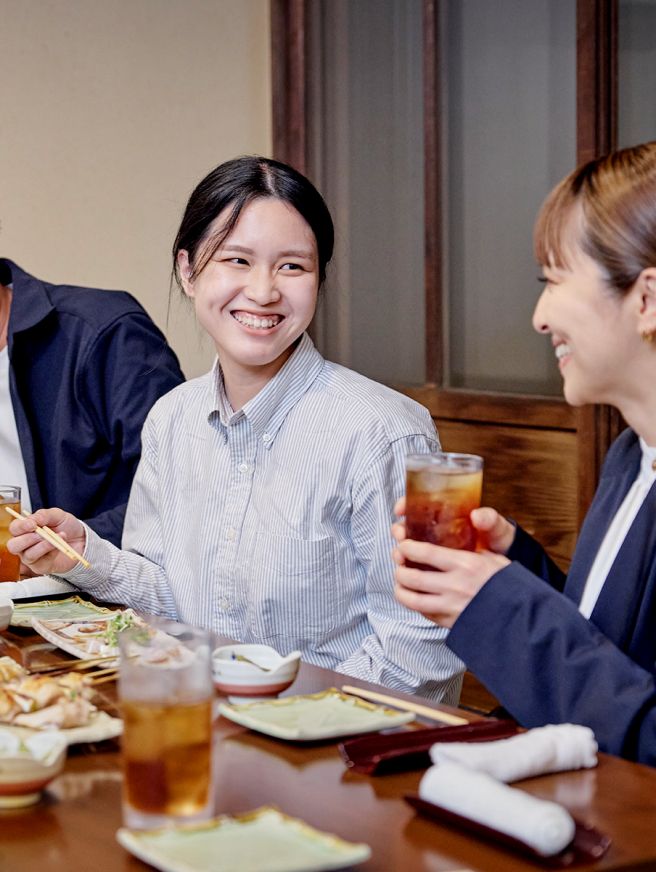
(414, 707)
(54, 539)
(102, 676)
(72, 665)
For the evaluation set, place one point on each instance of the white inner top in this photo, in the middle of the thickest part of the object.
(618, 529)
(12, 468)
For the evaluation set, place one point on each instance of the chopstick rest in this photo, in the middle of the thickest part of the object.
(554, 748)
(543, 826)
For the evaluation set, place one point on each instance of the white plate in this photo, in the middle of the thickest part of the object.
(101, 726)
(264, 840)
(324, 715)
(83, 638)
(71, 608)
(40, 585)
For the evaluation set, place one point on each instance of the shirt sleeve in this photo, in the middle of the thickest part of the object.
(135, 577)
(127, 369)
(404, 650)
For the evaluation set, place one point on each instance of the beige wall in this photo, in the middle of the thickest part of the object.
(111, 112)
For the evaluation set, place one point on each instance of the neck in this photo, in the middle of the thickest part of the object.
(5, 309)
(242, 383)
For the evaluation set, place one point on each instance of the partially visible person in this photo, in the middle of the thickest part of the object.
(580, 647)
(79, 370)
(262, 504)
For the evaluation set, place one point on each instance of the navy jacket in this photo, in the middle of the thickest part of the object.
(542, 659)
(85, 368)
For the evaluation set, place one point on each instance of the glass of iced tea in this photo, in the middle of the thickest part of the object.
(441, 491)
(9, 563)
(166, 694)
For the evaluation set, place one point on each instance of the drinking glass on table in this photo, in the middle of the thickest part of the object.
(441, 491)
(166, 694)
(10, 496)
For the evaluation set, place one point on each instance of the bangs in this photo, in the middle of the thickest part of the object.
(553, 235)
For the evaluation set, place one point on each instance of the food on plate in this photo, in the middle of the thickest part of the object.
(43, 701)
(88, 638)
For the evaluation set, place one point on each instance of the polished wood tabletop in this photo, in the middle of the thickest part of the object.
(74, 825)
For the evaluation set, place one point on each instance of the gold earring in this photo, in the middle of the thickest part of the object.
(649, 336)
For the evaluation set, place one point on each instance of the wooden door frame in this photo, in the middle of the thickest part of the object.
(596, 133)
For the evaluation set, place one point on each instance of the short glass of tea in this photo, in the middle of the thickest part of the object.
(441, 491)
(10, 496)
(166, 694)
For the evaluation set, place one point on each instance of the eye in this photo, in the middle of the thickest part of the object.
(238, 261)
(292, 266)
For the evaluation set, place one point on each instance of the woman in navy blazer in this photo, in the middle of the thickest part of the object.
(527, 640)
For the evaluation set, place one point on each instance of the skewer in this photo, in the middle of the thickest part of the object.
(54, 538)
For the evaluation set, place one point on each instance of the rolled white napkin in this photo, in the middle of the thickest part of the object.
(544, 826)
(555, 748)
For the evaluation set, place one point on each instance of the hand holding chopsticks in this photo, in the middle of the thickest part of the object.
(53, 538)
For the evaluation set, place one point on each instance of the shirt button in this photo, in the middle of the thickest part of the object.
(224, 603)
(231, 534)
(243, 467)
(266, 437)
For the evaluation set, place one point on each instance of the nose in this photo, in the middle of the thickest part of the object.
(540, 322)
(261, 288)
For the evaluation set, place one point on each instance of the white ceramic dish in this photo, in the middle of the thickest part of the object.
(6, 610)
(28, 765)
(253, 670)
(264, 840)
(100, 726)
(313, 716)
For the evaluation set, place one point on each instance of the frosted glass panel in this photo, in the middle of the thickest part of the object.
(637, 71)
(509, 125)
(366, 156)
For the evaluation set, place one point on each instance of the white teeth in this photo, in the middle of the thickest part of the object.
(562, 350)
(256, 323)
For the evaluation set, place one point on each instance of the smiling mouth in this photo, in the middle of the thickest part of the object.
(257, 322)
(562, 350)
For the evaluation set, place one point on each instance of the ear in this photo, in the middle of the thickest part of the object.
(184, 270)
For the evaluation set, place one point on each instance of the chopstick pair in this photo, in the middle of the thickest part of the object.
(422, 710)
(102, 676)
(52, 537)
(72, 665)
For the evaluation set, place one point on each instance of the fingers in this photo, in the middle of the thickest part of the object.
(435, 556)
(398, 531)
(484, 518)
(399, 507)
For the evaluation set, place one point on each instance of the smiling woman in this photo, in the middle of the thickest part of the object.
(262, 504)
(580, 648)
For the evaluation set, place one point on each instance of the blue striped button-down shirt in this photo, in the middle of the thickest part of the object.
(272, 524)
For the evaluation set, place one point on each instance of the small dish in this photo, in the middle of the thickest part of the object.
(28, 765)
(6, 611)
(314, 716)
(253, 670)
(73, 608)
(264, 840)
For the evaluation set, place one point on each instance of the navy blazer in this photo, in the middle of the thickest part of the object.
(546, 663)
(85, 368)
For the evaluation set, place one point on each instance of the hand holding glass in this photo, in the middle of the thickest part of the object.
(441, 492)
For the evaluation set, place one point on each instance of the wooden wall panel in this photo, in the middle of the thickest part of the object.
(529, 474)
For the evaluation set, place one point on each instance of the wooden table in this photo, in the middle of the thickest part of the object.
(74, 826)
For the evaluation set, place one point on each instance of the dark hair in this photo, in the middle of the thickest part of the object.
(616, 226)
(236, 183)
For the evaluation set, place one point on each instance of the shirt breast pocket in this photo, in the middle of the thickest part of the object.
(293, 591)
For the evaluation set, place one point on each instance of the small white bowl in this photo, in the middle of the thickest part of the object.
(241, 678)
(6, 611)
(24, 773)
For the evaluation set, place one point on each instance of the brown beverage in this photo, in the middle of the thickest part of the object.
(167, 751)
(441, 491)
(9, 563)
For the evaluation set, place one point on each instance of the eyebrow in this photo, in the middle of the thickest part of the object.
(300, 252)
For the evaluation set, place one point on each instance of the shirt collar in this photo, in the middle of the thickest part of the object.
(269, 408)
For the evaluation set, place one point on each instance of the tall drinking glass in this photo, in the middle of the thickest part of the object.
(10, 496)
(441, 491)
(166, 694)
